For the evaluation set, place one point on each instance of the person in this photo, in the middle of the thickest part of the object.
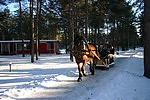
(104, 55)
(111, 51)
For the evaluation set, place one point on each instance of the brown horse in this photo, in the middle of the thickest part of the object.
(84, 53)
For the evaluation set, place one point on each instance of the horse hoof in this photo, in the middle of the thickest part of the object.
(92, 73)
(79, 79)
(85, 74)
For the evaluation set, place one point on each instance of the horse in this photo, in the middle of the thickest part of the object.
(84, 53)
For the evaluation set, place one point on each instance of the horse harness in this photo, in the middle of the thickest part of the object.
(79, 52)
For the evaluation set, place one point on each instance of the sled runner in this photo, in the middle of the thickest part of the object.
(110, 60)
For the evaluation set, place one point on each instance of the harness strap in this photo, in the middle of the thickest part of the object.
(86, 43)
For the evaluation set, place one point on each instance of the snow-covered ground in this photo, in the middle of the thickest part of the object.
(54, 77)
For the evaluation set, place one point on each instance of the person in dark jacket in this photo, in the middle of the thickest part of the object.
(111, 51)
(104, 55)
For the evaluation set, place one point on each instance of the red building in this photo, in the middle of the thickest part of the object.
(11, 47)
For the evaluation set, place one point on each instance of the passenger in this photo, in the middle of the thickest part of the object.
(104, 55)
(111, 51)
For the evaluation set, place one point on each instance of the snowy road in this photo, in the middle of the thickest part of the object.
(54, 77)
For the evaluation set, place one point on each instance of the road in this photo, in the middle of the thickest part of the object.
(102, 85)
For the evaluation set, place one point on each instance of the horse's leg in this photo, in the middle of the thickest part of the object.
(80, 74)
(83, 68)
(92, 66)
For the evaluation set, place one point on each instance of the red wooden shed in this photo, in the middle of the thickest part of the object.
(11, 47)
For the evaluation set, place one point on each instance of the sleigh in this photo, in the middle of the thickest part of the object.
(100, 63)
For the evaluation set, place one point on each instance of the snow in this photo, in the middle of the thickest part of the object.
(54, 77)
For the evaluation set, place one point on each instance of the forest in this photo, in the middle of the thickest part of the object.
(118, 22)
(123, 23)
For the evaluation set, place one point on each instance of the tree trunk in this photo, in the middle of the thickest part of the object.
(86, 19)
(32, 31)
(146, 38)
(37, 30)
(71, 12)
(20, 31)
(40, 10)
(65, 40)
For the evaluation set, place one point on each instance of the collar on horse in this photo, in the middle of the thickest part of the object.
(84, 51)
(89, 50)
(77, 40)
(86, 43)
